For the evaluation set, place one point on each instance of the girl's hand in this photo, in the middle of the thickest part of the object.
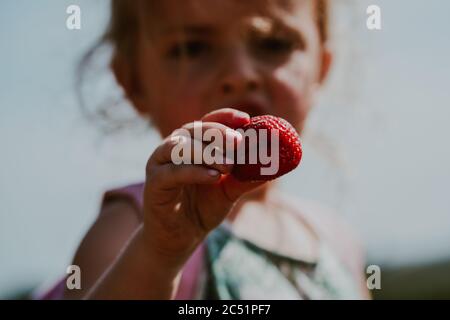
(183, 203)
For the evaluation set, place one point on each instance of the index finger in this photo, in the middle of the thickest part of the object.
(230, 117)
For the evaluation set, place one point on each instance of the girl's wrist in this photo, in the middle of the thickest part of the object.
(154, 259)
(168, 258)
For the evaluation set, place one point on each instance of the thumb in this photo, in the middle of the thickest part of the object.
(233, 189)
(222, 198)
(229, 117)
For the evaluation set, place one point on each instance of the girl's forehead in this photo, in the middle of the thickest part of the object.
(170, 14)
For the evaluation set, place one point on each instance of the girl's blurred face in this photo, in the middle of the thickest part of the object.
(195, 56)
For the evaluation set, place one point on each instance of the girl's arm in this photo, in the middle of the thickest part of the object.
(138, 273)
(110, 253)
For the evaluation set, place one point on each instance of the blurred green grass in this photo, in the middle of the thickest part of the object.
(426, 281)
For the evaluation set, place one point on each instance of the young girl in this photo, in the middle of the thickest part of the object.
(193, 231)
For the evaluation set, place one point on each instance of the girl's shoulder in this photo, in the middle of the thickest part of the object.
(330, 227)
(299, 228)
(325, 221)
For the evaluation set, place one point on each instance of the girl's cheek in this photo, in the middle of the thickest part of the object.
(292, 88)
(290, 95)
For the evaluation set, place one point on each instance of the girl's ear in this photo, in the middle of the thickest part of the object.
(126, 78)
(326, 62)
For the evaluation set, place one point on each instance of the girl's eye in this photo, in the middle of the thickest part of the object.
(276, 45)
(189, 49)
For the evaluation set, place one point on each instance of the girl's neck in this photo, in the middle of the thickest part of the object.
(258, 195)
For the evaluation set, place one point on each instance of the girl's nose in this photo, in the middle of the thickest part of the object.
(239, 74)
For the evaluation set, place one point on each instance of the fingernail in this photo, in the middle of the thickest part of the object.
(213, 173)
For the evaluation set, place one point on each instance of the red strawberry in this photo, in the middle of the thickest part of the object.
(290, 149)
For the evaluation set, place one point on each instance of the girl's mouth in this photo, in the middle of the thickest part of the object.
(252, 107)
